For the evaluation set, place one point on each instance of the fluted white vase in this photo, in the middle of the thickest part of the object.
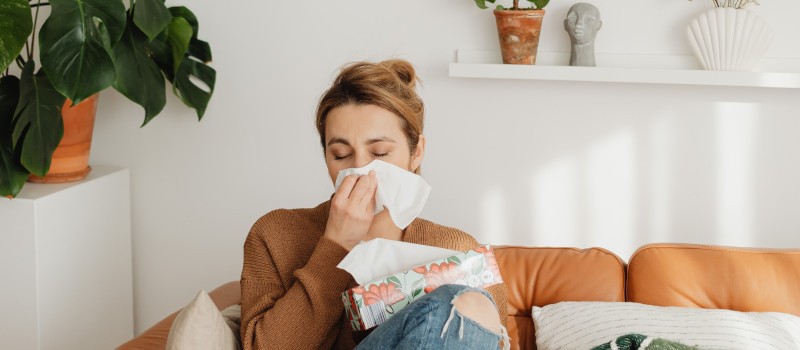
(725, 38)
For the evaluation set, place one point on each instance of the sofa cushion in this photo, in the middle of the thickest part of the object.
(156, 336)
(714, 277)
(542, 276)
(586, 325)
(200, 325)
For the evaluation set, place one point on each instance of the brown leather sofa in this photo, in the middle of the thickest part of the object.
(741, 279)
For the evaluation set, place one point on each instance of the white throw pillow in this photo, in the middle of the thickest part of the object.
(585, 324)
(200, 325)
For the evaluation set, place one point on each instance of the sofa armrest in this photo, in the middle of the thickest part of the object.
(156, 336)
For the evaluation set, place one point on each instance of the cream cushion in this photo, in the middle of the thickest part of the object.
(200, 325)
(585, 325)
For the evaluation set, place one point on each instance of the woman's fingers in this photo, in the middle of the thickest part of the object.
(352, 210)
(358, 190)
(346, 187)
(368, 197)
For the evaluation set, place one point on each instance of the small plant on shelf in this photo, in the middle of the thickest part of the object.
(536, 5)
(737, 4)
(518, 30)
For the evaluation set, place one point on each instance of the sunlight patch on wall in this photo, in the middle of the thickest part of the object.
(662, 132)
(611, 187)
(555, 204)
(736, 142)
(495, 221)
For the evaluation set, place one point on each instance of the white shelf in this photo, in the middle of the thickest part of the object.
(648, 69)
(65, 264)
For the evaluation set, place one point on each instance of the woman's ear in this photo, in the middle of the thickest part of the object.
(419, 154)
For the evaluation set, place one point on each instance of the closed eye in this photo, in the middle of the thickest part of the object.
(380, 154)
(341, 157)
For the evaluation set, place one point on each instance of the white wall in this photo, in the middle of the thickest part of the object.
(512, 162)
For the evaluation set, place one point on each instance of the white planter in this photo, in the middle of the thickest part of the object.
(725, 38)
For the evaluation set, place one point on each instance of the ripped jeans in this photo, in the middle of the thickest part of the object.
(432, 322)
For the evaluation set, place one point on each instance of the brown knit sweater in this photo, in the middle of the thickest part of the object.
(291, 287)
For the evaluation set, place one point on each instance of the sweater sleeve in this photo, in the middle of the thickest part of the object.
(307, 314)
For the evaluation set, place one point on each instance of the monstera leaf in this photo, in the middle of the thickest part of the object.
(169, 52)
(151, 16)
(197, 48)
(15, 26)
(12, 174)
(192, 95)
(37, 121)
(73, 52)
(138, 77)
(178, 36)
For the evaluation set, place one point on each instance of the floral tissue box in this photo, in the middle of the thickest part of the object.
(372, 304)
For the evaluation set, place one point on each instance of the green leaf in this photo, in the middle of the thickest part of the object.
(188, 15)
(454, 259)
(418, 284)
(12, 173)
(151, 16)
(15, 27)
(192, 95)
(38, 124)
(394, 280)
(191, 65)
(197, 48)
(162, 56)
(482, 3)
(416, 292)
(73, 52)
(178, 37)
(477, 269)
(138, 76)
(201, 50)
(540, 4)
(500, 7)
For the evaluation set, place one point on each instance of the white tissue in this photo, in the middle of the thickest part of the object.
(377, 258)
(400, 191)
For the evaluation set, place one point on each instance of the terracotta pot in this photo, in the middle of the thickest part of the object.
(71, 157)
(519, 34)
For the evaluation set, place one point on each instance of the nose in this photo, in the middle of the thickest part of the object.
(362, 159)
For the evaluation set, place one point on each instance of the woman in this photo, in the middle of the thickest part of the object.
(291, 288)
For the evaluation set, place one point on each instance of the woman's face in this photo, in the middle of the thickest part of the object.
(355, 135)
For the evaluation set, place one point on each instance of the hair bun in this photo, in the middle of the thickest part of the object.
(403, 70)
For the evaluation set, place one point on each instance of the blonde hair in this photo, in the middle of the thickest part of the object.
(389, 84)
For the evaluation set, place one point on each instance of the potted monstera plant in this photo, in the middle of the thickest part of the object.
(518, 29)
(84, 47)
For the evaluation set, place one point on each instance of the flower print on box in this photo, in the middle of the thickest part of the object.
(492, 274)
(387, 293)
(371, 304)
(439, 274)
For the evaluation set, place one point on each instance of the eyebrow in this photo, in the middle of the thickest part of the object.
(369, 142)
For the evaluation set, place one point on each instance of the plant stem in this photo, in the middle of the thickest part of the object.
(516, 4)
(37, 4)
(33, 35)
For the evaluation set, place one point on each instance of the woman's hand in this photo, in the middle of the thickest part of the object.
(352, 210)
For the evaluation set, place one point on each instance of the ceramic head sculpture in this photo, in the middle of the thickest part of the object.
(582, 23)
